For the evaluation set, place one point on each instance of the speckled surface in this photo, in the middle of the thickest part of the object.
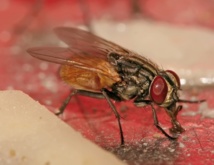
(93, 118)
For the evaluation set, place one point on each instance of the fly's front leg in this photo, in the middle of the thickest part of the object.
(156, 123)
(173, 112)
(141, 103)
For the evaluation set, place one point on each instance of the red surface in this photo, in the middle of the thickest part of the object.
(144, 143)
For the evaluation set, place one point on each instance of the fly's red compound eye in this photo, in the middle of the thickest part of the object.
(176, 77)
(158, 90)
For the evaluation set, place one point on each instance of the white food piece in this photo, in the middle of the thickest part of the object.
(31, 135)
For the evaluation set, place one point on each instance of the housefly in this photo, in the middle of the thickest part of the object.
(98, 68)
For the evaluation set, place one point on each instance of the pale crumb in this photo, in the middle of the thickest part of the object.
(31, 134)
(181, 145)
(205, 111)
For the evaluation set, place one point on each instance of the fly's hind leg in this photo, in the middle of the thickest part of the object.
(65, 102)
(80, 92)
(105, 94)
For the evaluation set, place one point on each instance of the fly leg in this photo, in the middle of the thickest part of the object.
(156, 123)
(141, 103)
(80, 92)
(65, 102)
(104, 94)
(173, 112)
(117, 115)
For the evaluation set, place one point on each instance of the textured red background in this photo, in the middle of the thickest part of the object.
(144, 143)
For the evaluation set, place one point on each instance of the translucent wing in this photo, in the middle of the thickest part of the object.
(57, 55)
(82, 40)
(90, 53)
(75, 58)
(79, 69)
(87, 42)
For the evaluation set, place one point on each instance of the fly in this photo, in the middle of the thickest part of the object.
(98, 68)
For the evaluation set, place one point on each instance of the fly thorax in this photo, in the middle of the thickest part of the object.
(126, 90)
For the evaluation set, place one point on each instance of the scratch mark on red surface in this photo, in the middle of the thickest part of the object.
(196, 135)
